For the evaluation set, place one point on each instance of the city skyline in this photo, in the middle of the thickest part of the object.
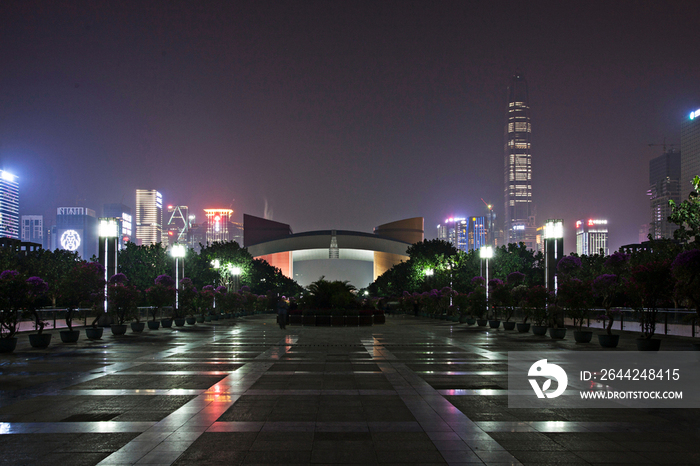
(345, 115)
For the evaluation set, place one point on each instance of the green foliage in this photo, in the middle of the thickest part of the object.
(13, 297)
(687, 216)
(649, 288)
(122, 300)
(143, 264)
(82, 285)
(575, 296)
(517, 258)
(324, 294)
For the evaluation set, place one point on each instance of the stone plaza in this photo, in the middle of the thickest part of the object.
(243, 391)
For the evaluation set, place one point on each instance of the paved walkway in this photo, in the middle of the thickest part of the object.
(412, 391)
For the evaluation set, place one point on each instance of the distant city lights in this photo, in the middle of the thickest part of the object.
(694, 114)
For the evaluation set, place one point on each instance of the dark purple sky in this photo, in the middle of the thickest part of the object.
(346, 114)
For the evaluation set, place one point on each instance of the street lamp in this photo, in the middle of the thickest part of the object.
(553, 249)
(108, 228)
(236, 272)
(177, 252)
(486, 252)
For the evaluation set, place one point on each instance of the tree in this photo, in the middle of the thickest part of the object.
(83, 284)
(144, 263)
(687, 216)
(686, 271)
(649, 288)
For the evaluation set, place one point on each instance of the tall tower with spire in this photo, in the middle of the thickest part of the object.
(519, 215)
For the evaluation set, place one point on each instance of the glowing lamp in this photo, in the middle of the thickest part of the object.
(108, 228)
(7, 176)
(178, 250)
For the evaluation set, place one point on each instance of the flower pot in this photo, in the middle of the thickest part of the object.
(470, 321)
(166, 323)
(352, 321)
(583, 336)
(200, 319)
(228, 315)
(557, 333)
(153, 324)
(481, 322)
(523, 327)
(508, 325)
(494, 323)
(69, 336)
(180, 322)
(452, 318)
(215, 317)
(118, 329)
(207, 318)
(381, 319)
(336, 320)
(191, 320)
(463, 319)
(94, 333)
(40, 341)
(8, 345)
(539, 330)
(137, 327)
(646, 344)
(608, 341)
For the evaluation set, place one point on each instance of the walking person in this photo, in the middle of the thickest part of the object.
(282, 308)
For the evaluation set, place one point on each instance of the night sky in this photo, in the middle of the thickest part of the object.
(343, 115)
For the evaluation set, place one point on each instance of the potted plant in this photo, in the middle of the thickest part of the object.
(121, 299)
(205, 302)
(606, 287)
(500, 301)
(650, 286)
(83, 283)
(160, 296)
(575, 296)
(13, 292)
(536, 304)
(477, 301)
(36, 291)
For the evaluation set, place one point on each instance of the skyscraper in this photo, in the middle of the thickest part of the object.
(33, 229)
(9, 205)
(178, 224)
(519, 219)
(664, 186)
(218, 223)
(124, 221)
(591, 237)
(690, 152)
(454, 231)
(149, 216)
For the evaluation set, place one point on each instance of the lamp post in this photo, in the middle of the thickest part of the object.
(235, 272)
(486, 252)
(428, 273)
(553, 249)
(108, 228)
(177, 252)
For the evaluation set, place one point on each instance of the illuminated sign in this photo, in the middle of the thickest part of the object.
(578, 223)
(70, 240)
(518, 227)
(159, 200)
(71, 211)
(592, 222)
(694, 114)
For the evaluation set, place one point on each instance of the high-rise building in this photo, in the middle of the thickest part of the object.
(178, 224)
(455, 232)
(9, 205)
(33, 229)
(591, 237)
(76, 230)
(519, 219)
(690, 152)
(477, 233)
(218, 225)
(124, 221)
(149, 216)
(664, 186)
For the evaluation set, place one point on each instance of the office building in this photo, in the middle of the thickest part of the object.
(218, 225)
(9, 205)
(519, 221)
(455, 231)
(76, 231)
(124, 221)
(664, 186)
(178, 224)
(690, 152)
(33, 229)
(477, 233)
(149, 216)
(592, 237)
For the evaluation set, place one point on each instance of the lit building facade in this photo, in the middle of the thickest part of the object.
(664, 186)
(33, 229)
(178, 224)
(9, 205)
(125, 225)
(519, 220)
(455, 231)
(218, 221)
(690, 152)
(149, 216)
(477, 233)
(591, 237)
(76, 231)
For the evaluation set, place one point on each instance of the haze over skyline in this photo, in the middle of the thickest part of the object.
(343, 115)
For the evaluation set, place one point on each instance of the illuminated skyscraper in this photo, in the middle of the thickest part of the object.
(218, 224)
(454, 231)
(124, 221)
(591, 237)
(9, 205)
(178, 224)
(664, 186)
(690, 152)
(33, 229)
(149, 216)
(519, 220)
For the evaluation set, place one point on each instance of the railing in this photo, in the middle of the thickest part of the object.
(55, 317)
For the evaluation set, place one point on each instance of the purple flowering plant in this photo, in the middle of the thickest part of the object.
(160, 295)
(36, 291)
(84, 284)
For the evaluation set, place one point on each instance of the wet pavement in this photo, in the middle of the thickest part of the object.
(411, 391)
